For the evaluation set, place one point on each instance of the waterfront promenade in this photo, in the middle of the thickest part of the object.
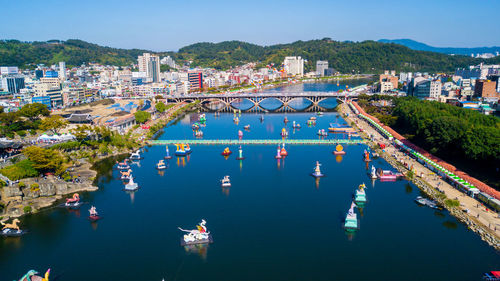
(475, 210)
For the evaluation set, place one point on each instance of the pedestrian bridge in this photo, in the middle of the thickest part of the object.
(258, 142)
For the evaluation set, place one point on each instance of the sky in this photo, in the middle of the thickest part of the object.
(166, 25)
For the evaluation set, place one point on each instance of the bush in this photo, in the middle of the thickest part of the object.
(27, 209)
(34, 187)
(32, 132)
(452, 203)
(22, 184)
(2, 183)
(21, 133)
(22, 169)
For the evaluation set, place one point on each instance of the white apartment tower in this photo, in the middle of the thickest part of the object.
(151, 65)
(62, 70)
(294, 65)
(321, 66)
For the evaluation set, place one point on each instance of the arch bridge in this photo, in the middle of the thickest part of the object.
(225, 101)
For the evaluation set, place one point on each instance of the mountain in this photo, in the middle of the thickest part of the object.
(414, 45)
(346, 57)
(366, 56)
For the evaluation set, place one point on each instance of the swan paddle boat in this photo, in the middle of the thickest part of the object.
(246, 127)
(131, 185)
(366, 156)
(94, 216)
(295, 125)
(196, 236)
(202, 118)
(225, 182)
(12, 229)
(317, 172)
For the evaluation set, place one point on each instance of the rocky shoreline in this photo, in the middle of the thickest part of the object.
(485, 233)
(33, 194)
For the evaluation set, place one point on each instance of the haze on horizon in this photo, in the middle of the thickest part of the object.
(163, 25)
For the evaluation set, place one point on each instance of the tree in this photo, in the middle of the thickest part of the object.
(44, 160)
(161, 107)
(8, 118)
(53, 123)
(142, 116)
(34, 111)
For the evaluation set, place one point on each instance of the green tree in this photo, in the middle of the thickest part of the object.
(142, 116)
(53, 123)
(44, 160)
(34, 111)
(161, 107)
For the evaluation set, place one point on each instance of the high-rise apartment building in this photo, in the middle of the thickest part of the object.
(294, 65)
(195, 79)
(321, 66)
(151, 65)
(62, 70)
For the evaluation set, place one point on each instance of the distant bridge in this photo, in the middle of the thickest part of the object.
(226, 100)
(258, 142)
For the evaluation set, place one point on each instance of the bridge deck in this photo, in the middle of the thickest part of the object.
(258, 141)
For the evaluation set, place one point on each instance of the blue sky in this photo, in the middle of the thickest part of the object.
(163, 25)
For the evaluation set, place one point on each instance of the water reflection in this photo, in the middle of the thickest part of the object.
(408, 188)
(450, 225)
(94, 225)
(317, 182)
(132, 195)
(338, 158)
(199, 249)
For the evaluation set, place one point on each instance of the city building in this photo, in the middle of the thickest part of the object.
(9, 70)
(391, 78)
(12, 83)
(62, 70)
(51, 74)
(43, 100)
(485, 89)
(150, 64)
(294, 66)
(321, 67)
(195, 79)
(480, 71)
(428, 89)
(51, 87)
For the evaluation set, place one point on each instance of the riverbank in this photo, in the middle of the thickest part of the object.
(477, 218)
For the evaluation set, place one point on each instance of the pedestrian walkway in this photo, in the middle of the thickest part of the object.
(258, 142)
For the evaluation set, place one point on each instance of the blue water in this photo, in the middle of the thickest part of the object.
(275, 222)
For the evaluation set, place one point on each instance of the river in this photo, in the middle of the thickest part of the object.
(275, 222)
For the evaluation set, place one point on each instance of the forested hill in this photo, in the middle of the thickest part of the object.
(366, 56)
(73, 52)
